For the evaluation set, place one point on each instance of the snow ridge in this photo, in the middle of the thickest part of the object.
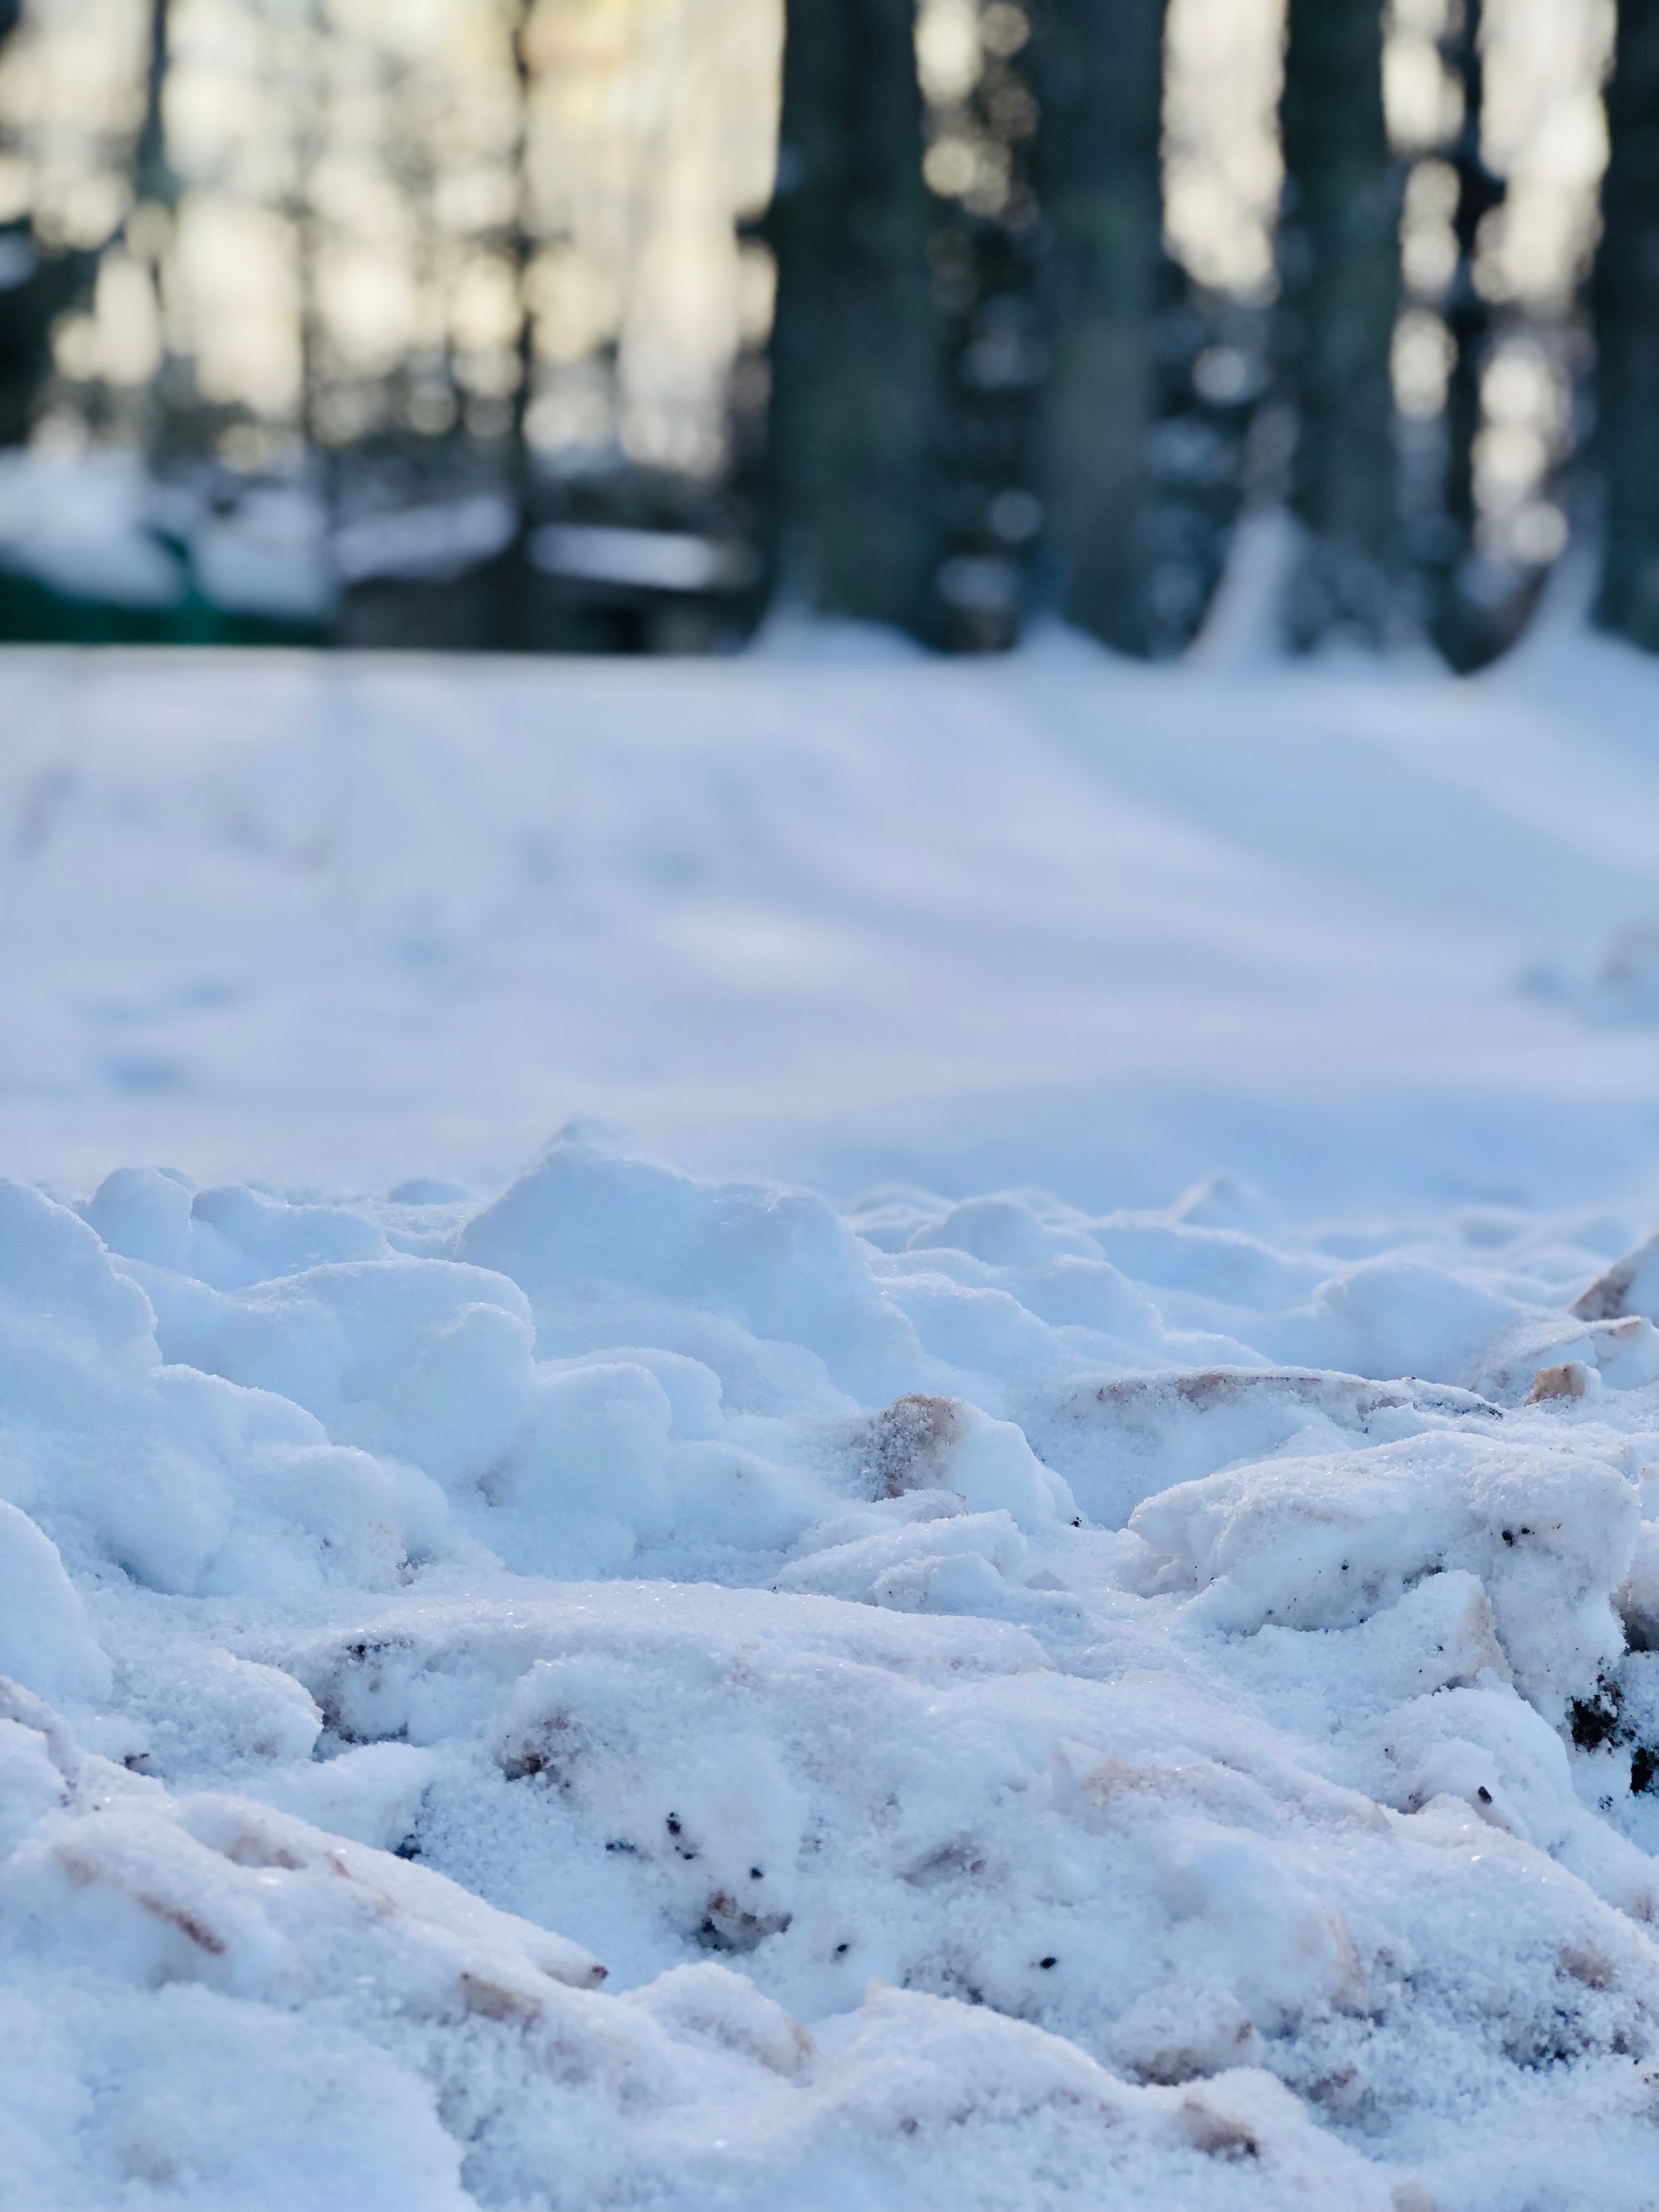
(648, 1692)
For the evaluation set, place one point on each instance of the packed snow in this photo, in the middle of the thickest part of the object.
(1012, 1687)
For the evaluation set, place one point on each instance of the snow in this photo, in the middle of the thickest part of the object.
(843, 924)
(82, 528)
(1040, 1593)
(97, 525)
(653, 560)
(438, 540)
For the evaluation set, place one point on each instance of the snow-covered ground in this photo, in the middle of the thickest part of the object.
(344, 922)
(1103, 1661)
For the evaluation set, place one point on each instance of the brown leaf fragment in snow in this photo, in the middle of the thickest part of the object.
(1583, 1963)
(492, 2000)
(902, 1447)
(1620, 1290)
(84, 1874)
(1216, 2133)
(1570, 1378)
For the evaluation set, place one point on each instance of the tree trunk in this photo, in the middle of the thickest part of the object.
(1097, 68)
(154, 189)
(1465, 627)
(1339, 266)
(1625, 306)
(856, 363)
(518, 590)
(152, 172)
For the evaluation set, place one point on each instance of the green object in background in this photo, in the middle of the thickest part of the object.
(34, 612)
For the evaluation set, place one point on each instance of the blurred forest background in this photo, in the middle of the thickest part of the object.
(618, 324)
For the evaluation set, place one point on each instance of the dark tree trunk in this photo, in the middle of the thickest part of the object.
(153, 174)
(1097, 70)
(857, 393)
(310, 133)
(518, 596)
(154, 189)
(1466, 628)
(29, 309)
(1625, 306)
(1339, 265)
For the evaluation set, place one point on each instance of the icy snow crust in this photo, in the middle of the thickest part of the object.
(642, 1693)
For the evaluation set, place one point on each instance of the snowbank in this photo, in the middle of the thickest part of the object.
(645, 1691)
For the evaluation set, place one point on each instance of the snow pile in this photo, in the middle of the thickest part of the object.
(646, 1692)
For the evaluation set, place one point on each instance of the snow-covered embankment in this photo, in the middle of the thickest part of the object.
(645, 1693)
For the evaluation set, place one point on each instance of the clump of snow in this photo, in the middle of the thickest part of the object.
(1326, 1542)
(46, 1643)
(185, 1481)
(1628, 1291)
(634, 1690)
